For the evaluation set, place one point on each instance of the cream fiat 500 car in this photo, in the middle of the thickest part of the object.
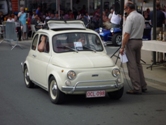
(67, 58)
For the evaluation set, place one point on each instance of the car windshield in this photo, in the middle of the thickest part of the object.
(68, 42)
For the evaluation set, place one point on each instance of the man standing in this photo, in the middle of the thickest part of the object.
(132, 43)
(38, 11)
(160, 21)
(22, 18)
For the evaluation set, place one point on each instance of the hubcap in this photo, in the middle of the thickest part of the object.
(119, 40)
(26, 77)
(53, 89)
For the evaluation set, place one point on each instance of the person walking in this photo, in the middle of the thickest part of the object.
(22, 18)
(132, 43)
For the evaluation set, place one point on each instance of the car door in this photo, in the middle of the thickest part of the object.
(32, 57)
(42, 61)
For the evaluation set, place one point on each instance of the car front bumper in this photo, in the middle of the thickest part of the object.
(78, 88)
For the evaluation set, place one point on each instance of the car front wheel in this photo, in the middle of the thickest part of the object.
(56, 96)
(27, 80)
(117, 39)
(117, 94)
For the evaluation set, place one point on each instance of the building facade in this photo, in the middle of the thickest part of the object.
(76, 4)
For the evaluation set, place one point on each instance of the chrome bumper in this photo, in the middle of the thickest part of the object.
(113, 85)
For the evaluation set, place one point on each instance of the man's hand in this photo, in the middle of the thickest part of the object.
(121, 51)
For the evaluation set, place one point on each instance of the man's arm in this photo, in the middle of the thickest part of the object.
(19, 14)
(124, 42)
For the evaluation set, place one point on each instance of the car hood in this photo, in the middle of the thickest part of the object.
(82, 60)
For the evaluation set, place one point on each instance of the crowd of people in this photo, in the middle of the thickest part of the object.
(24, 19)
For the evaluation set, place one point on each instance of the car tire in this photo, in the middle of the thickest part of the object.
(27, 80)
(117, 39)
(117, 94)
(56, 96)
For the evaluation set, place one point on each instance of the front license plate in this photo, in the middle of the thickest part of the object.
(92, 94)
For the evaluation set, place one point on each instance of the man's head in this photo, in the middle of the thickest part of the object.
(111, 10)
(129, 7)
(22, 9)
(157, 5)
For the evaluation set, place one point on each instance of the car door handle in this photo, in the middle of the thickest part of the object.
(34, 55)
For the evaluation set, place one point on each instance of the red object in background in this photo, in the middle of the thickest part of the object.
(29, 23)
(14, 5)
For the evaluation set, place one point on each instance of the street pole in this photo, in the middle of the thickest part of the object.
(154, 28)
(101, 13)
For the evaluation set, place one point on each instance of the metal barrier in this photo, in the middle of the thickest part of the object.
(10, 34)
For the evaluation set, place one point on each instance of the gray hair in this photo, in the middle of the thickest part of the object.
(130, 5)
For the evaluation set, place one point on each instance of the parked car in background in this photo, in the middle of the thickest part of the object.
(112, 36)
(72, 61)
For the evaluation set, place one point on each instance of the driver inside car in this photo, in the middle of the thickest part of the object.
(42, 45)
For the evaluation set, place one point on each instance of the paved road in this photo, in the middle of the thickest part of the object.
(22, 106)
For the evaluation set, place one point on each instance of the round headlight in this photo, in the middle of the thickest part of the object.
(115, 72)
(112, 30)
(71, 75)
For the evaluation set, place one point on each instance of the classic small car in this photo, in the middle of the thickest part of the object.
(110, 36)
(72, 61)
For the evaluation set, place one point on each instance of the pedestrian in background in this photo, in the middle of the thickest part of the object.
(132, 43)
(110, 14)
(38, 11)
(10, 18)
(18, 27)
(160, 21)
(22, 18)
(1, 17)
(115, 20)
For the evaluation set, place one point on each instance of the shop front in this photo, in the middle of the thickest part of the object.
(55, 5)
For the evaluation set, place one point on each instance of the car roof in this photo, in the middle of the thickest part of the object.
(65, 24)
(54, 32)
(54, 27)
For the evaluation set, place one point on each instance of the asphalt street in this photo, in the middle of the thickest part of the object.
(23, 106)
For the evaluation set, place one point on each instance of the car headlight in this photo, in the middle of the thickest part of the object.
(71, 75)
(115, 72)
(112, 30)
(100, 30)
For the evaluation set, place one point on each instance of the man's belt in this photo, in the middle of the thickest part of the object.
(135, 39)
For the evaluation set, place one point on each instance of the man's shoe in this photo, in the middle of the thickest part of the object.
(144, 90)
(134, 92)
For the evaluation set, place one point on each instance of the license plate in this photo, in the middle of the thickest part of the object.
(92, 94)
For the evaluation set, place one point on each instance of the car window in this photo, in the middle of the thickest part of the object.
(76, 42)
(34, 43)
(43, 45)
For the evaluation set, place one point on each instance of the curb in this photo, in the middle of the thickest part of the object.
(148, 79)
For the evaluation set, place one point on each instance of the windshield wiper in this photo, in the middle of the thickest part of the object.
(68, 48)
(89, 48)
